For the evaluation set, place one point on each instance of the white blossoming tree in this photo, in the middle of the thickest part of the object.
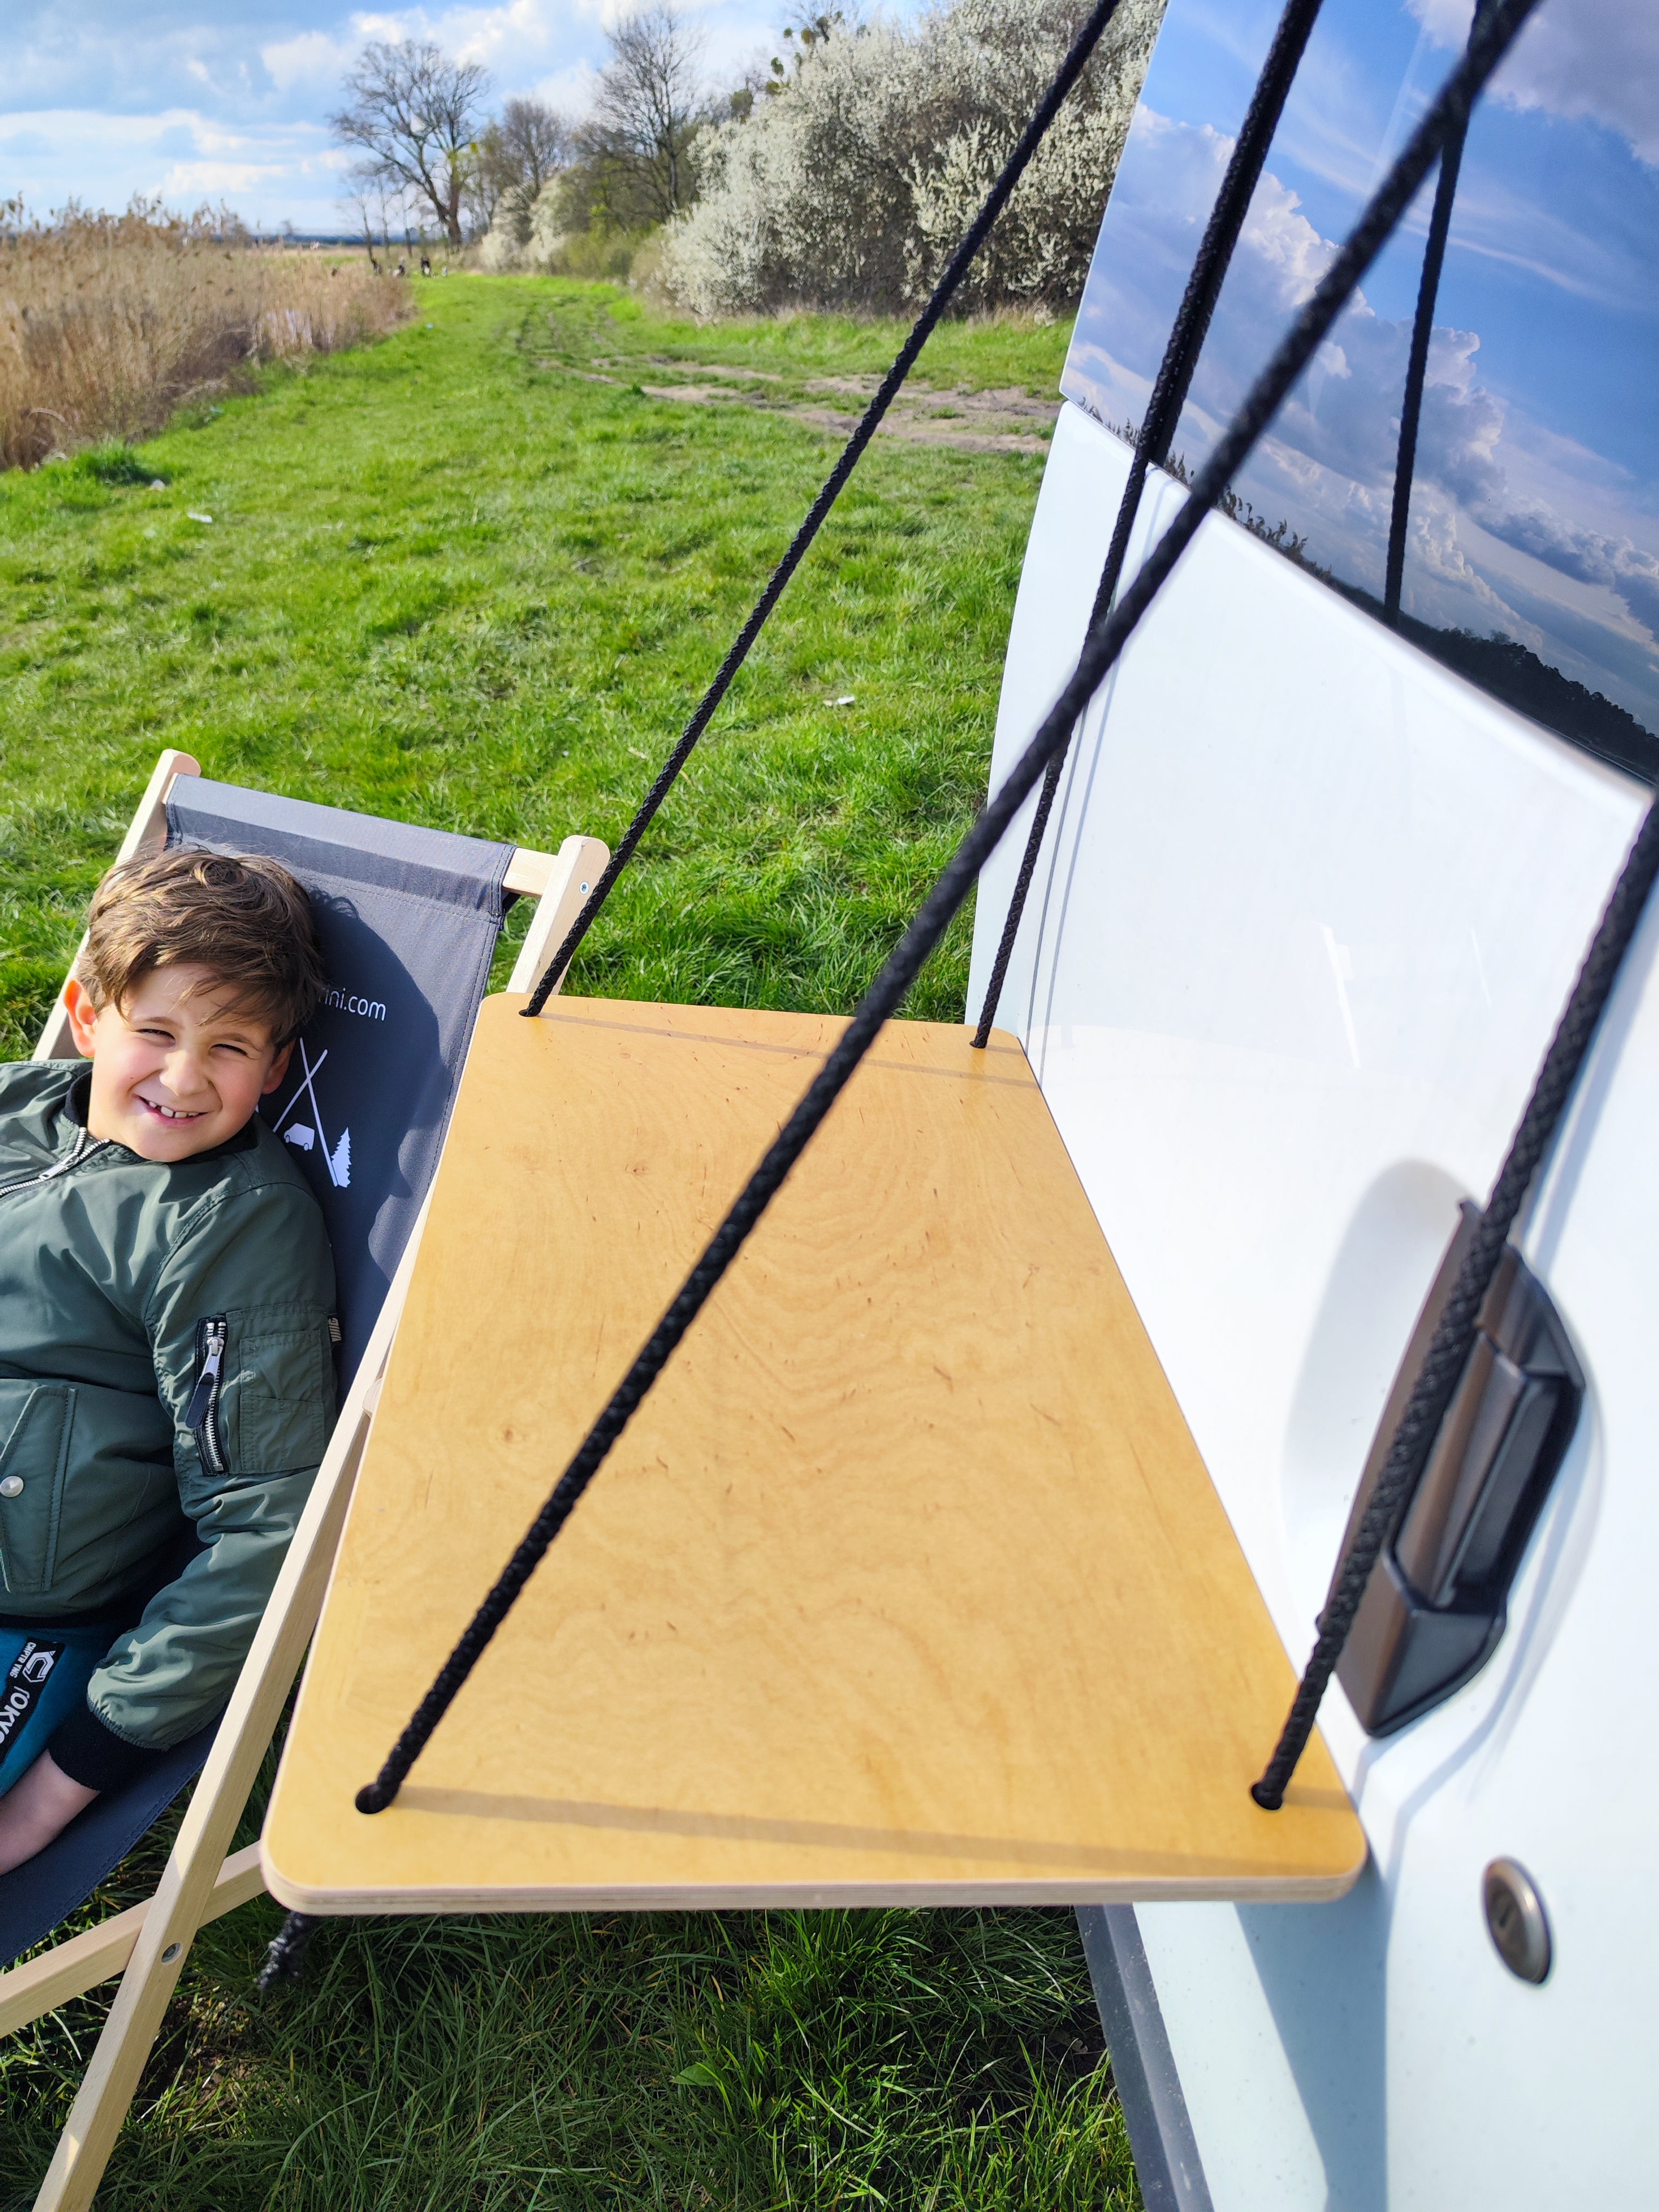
(851, 186)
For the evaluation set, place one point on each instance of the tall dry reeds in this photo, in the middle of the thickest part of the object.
(108, 323)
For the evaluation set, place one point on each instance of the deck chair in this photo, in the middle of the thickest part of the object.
(408, 920)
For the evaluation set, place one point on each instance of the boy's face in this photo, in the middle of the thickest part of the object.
(174, 1071)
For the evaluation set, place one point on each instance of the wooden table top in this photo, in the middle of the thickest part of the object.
(907, 1584)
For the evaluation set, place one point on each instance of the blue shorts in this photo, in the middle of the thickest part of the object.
(44, 1673)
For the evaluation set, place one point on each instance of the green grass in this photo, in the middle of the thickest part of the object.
(449, 579)
(930, 2062)
(447, 582)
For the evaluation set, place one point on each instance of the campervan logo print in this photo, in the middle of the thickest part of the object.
(306, 1136)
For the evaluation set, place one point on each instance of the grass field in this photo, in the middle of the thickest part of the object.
(459, 579)
(448, 578)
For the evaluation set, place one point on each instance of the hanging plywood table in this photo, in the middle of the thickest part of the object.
(907, 1584)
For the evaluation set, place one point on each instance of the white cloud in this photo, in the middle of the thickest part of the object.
(115, 82)
(1436, 544)
(1591, 60)
(1446, 22)
(86, 53)
(268, 170)
(314, 57)
(514, 34)
(1586, 556)
(1328, 462)
(191, 182)
(569, 90)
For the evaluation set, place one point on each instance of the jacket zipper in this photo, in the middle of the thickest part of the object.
(82, 1152)
(203, 1416)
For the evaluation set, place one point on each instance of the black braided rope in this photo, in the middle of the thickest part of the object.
(285, 1954)
(1070, 69)
(1028, 860)
(887, 993)
(1169, 391)
(1417, 366)
(1449, 1347)
(1411, 410)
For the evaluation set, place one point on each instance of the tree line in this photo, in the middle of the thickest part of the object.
(838, 174)
(430, 153)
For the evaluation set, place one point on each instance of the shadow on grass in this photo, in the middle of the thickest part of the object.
(741, 2060)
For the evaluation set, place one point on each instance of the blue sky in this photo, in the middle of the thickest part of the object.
(1537, 505)
(100, 101)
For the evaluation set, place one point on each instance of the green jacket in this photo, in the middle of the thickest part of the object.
(167, 1387)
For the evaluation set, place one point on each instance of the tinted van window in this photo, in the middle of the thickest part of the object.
(1532, 555)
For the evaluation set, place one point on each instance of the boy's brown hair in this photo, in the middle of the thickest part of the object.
(243, 918)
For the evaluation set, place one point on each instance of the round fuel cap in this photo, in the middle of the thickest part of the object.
(1515, 1920)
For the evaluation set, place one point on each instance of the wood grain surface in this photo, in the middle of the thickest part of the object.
(906, 1584)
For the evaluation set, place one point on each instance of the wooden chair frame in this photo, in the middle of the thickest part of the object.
(199, 1883)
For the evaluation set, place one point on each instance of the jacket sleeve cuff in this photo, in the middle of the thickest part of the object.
(93, 1755)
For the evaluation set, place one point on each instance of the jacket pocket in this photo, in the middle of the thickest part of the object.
(36, 1421)
(283, 1390)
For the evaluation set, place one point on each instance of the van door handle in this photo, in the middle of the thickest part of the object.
(1436, 1606)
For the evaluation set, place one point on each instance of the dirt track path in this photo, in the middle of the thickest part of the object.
(1001, 422)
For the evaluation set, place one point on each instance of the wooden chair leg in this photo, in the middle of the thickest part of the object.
(70, 1970)
(577, 868)
(182, 1896)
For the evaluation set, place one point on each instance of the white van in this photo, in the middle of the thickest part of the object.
(1320, 873)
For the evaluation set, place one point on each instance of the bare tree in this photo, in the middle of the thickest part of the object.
(357, 203)
(528, 144)
(368, 203)
(520, 152)
(648, 108)
(415, 117)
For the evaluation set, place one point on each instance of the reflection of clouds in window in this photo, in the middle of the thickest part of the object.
(1435, 545)
(1593, 61)
(1515, 527)
(1631, 574)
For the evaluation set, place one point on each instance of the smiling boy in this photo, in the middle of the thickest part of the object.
(166, 1324)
